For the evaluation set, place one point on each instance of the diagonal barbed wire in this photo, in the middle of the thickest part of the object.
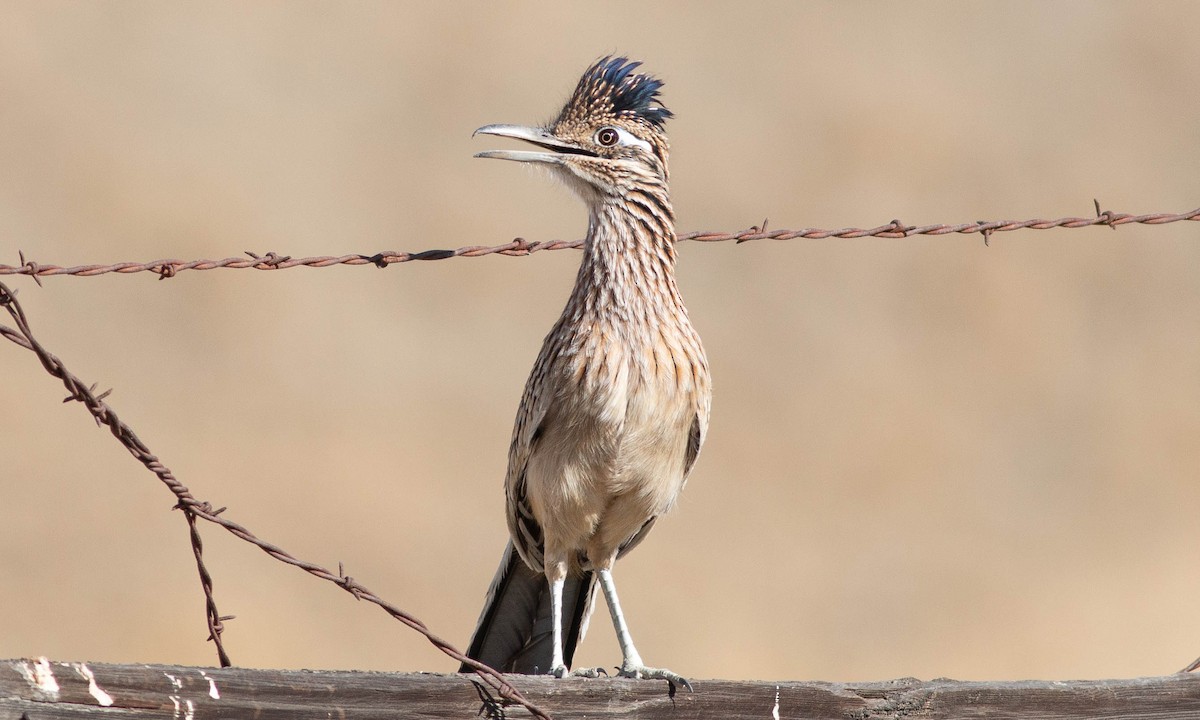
(520, 247)
(192, 508)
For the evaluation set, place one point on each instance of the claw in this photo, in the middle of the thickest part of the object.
(558, 671)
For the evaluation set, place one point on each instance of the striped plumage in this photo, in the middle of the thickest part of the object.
(617, 404)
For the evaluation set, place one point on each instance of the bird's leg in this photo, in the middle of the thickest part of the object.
(629, 654)
(631, 662)
(558, 668)
(556, 575)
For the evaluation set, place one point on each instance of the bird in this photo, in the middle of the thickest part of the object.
(616, 408)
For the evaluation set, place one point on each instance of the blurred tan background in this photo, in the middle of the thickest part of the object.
(927, 457)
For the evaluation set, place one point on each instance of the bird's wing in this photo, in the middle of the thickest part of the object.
(694, 439)
(523, 527)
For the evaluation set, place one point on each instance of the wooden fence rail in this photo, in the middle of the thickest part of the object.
(50, 690)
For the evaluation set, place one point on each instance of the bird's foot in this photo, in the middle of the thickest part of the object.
(561, 671)
(628, 670)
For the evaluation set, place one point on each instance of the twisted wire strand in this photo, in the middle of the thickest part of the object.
(192, 509)
(520, 247)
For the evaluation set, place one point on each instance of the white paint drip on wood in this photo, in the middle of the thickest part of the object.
(212, 687)
(40, 678)
(102, 698)
(177, 684)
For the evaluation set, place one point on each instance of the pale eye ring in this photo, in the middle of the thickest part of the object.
(607, 136)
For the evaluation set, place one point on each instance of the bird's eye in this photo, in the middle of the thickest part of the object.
(607, 136)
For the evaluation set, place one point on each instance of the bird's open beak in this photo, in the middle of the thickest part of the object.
(535, 135)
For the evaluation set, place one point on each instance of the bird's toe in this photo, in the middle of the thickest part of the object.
(648, 673)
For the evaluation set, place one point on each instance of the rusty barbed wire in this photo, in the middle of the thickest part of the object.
(192, 508)
(521, 247)
(104, 415)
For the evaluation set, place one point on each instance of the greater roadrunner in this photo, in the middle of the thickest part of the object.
(616, 407)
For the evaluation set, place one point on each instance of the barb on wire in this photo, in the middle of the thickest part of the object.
(520, 247)
(192, 509)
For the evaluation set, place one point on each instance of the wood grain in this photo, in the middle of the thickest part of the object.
(52, 690)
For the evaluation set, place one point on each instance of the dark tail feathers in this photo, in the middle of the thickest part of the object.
(515, 632)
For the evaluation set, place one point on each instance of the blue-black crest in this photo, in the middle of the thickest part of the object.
(611, 88)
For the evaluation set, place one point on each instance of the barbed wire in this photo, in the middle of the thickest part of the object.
(521, 247)
(192, 509)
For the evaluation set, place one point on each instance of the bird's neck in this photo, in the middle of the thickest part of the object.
(628, 268)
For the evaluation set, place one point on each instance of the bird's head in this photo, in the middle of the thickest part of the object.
(608, 138)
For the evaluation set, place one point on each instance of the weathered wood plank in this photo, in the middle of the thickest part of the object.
(46, 690)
